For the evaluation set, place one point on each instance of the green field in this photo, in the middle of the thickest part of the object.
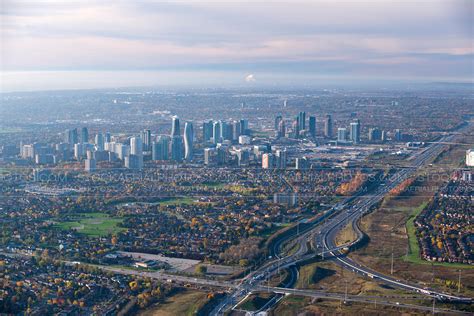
(93, 224)
(178, 201)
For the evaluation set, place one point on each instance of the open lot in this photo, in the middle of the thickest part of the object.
(182, 303)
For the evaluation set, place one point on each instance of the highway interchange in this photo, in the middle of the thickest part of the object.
(323, 235)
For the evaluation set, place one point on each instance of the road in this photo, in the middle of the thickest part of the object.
(326, 228)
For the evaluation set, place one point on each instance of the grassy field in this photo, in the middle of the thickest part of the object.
(93, 224)
(178, 201)
(255, 302)
(413, 247)
(184, 303)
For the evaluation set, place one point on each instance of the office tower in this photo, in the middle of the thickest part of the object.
(236, 130)
(375, 134)
(121, 150)
(312, 126)
(160, 148)
(226, 131)
(78, 151)
(84, 135)
(188, 141)
(108, 138)
(99, 142)
(244, 127)
(398, 135)
(278, 119)
(134, 162)
(267, 161)
(136, 152)
(341, 134)
(71, 137)
(176, 148)
(175, 129)
(281, 159)
(244, 140)
(243, 157)
(216, 132)
(145, 135)
(136, 146)
(207, 131)
(383, 136)
(89, 165)
(281, 129)
(355, 132)
(328, 126)
(221, 154)
(302, 121)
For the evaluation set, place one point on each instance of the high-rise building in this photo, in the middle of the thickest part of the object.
(71, 137)
(243, 156)
(175, 129)
(134, 162)
(296, 127)
(145, 135)
(236, 130)
(281, 129)
(160, 148)
(188, 141)
(375, 134)
(355, 132)
(108, 138)
(398, 135)
(312, 126)
(341, 134)
(281, 159)
(177, 148)
(302, 121)
(328, 126)
(136, 153)
(216, 132)
(267, 161)
(99, 142)
(209, 155)
(244, 127)
(89, 164)
(301, 163)
(207, 131)
(84, 135)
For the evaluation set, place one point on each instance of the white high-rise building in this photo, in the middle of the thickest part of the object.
(188, 141)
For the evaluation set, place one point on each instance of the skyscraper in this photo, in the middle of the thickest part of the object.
(70, 137)
(244, 127)
(216, 132)
(281, 159)
(207, 131)
(355, 132)
(175, 126)
(177, 148)
(145, 135)
(281, 129)
(236, 130)
(188, 141)
(341, 134)
(136, 153)
(84, 135)
(160, 148)
(99, 141)
(328, 126)
(312, 126)
(278, 119)
(302, 120)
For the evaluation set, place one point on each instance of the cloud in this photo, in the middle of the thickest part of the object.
(250, 78)
(383, 38)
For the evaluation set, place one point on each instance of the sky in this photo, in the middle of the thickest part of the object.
(47, 45)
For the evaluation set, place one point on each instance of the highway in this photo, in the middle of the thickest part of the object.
(325, 229)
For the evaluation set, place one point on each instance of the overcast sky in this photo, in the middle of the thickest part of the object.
(83, 44)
